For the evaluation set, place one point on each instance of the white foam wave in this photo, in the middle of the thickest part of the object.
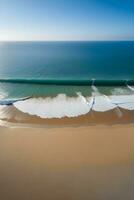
(127, 106)
(123, 101)
(63, 106)
(57, 107)
(120, 99)
(131, 88)
(121, 91)
(102, 103)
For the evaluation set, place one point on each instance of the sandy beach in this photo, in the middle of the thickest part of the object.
(67, 100)
(87, 162)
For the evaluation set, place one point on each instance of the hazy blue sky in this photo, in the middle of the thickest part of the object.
(66, 19)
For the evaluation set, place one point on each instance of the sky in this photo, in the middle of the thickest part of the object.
(28, 20)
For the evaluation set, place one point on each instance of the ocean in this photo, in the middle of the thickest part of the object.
(60, 78)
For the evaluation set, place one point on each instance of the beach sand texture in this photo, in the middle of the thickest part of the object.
(70, 163)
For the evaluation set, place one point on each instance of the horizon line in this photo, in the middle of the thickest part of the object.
(67, 40)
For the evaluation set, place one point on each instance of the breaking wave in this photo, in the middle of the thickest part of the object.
(63, 106)
(81, 82)
(57, 107)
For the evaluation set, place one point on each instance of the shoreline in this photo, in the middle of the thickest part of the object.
(10, 116)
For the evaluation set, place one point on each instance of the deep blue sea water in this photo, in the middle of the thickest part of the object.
(67, 60)
(63, 61)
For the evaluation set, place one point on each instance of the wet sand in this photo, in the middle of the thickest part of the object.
(70, 163)
(116, 116)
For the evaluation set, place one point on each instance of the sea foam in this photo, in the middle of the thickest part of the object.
(63, 106)
(57, 107)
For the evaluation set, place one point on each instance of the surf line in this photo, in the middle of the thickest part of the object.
(79, 82)
(9, 102)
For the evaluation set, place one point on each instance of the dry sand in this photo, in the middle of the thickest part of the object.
(70, 163)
